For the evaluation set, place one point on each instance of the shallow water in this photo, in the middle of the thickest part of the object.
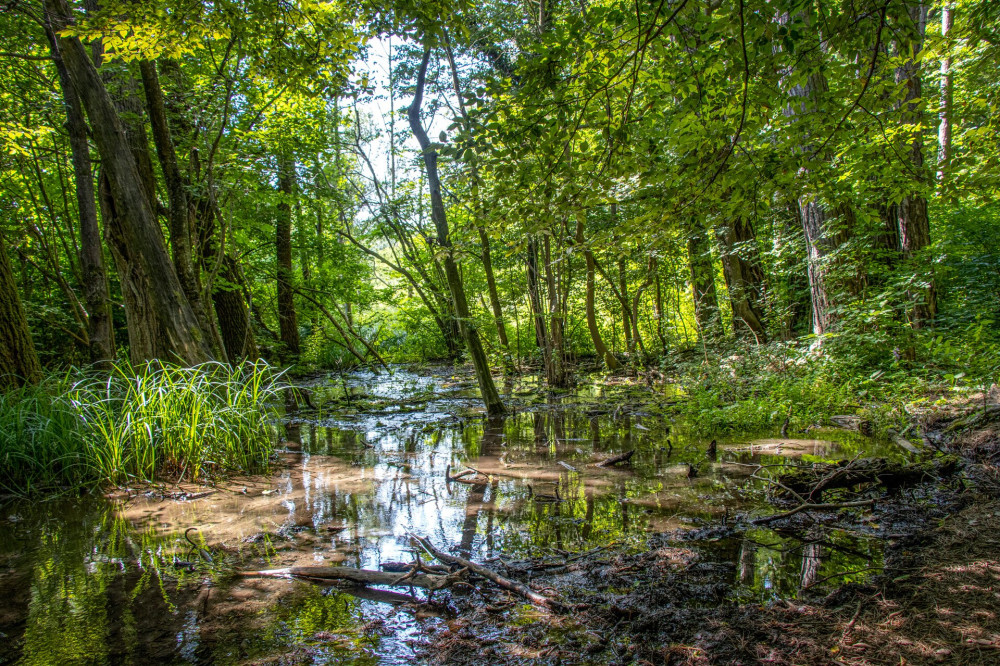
(114, 582)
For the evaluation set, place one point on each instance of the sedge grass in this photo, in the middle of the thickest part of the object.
(137, 424)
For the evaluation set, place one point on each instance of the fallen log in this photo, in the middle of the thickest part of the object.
(812, 481)
(330, 575)
(811, 507)
(615, 460)
(507, 584)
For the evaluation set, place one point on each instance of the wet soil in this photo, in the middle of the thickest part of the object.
(659, 565)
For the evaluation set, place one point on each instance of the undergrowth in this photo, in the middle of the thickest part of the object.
(136, 424)
(755, 388)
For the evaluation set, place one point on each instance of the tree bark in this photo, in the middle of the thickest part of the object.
(179, 214)
(490, 396)
(744, 279)
(913, 219)
(287, 318)
(944, 128)
(18, 361)
(556, 373)
(184, 339)
(706, 302)
(94, 276)
(233, 314)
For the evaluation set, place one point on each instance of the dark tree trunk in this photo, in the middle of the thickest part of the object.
(913, 220)
(233, 313)
(184, 338)
(595, 332)
(494, 406)
(287, 319)
(706, 302)
(94, 276)
(18, 362)
(744, 279)
(556, 372)
(180, 210)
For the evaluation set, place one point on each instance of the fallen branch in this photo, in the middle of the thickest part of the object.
(359, 576)
(510, 585)
(811, 507)
(614, 460)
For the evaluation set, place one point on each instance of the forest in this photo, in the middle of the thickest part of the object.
(669, 329)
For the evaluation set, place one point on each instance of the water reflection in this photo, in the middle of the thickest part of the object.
(108, 583)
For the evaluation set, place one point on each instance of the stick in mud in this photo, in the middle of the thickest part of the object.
(510, 585)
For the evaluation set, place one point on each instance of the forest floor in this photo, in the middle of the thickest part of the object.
(935, 600)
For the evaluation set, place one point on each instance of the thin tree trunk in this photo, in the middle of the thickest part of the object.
(287, 318)
(94, 277)
(944, 129)
(557, 354)
(595, 332)
(185, 341)
(494, 406)
(914, 222)
(18, 361)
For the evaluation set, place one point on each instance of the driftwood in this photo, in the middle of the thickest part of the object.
(330, 575)
(460, 477)
(811, 482)
(510, 585)
(615, 460)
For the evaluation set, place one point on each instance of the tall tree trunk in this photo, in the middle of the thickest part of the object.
(595, 332)
(484, 239)
(179, 214)
(94, 276)
(287, 319)
(494, 406)
(914, 222)
(185, 340)
(18, 361)
(556, 374)
(944, 128)
(706, 302)
(744, 279)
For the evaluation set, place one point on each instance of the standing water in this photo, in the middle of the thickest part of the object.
(116, 581)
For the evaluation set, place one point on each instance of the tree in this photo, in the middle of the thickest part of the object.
(18, 362)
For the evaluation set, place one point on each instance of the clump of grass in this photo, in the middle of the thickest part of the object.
(41, 446)
(137, 424)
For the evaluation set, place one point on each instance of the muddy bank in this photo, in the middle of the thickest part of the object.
(934, 599)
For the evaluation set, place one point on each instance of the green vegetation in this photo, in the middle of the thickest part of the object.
(137, 424)
(790, 208)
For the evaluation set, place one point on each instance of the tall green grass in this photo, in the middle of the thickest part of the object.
(137, 424)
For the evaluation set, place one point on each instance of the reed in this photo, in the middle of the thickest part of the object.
(138, 424)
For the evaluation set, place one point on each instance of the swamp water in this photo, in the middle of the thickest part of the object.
(114, 581)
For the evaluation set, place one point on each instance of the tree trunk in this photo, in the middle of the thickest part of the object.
(744, 279)
(914, 222)
(180, 209)
(287, 318)
(556, 373)
(94, 277)
(595, 332)
(18, 361)
(944, 129)
(494, 406)
(706, 302)
(184, 338)
(233, 314)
